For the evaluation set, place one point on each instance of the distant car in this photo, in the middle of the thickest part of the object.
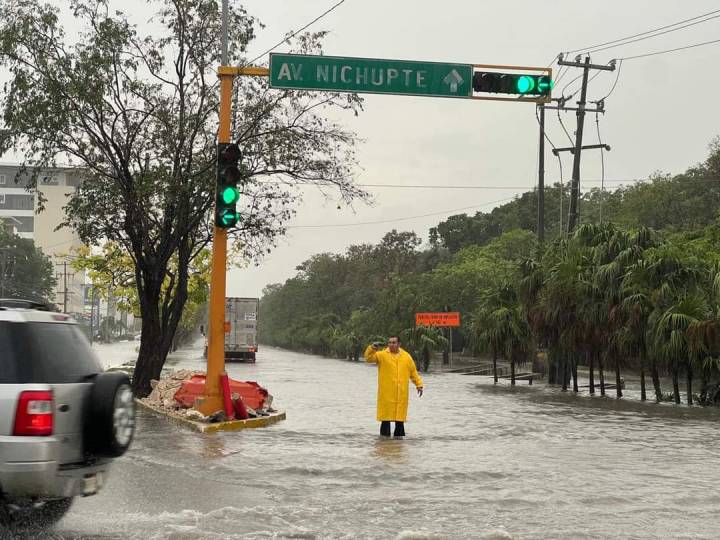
(62, 419)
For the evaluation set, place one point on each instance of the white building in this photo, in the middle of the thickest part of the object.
(19, 214)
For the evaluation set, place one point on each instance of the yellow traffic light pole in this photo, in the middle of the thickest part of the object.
(212, 400)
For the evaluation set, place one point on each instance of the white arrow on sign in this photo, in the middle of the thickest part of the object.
(453, 79)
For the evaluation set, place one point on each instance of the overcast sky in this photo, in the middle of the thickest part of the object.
(661, 116)
(655, 120)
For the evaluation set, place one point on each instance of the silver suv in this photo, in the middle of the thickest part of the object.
(62, 420)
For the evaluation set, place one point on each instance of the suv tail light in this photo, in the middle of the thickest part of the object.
(34, 414)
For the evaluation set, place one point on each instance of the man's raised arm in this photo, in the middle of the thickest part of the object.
(371, 354)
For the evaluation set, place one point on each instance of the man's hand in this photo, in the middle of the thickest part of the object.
(420, 391)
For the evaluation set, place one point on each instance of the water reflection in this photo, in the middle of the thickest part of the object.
(390, 450)
(213, 446)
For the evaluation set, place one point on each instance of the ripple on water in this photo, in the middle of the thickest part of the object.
(479, 462)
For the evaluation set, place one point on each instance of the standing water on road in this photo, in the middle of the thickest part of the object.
(478, 462)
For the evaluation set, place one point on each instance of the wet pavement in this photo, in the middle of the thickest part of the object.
(479, 462)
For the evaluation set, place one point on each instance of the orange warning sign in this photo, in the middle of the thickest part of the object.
(449, 318)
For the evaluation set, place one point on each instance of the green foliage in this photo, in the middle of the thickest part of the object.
(422, 342)
(617, 291)
(685, 202)
(25, 271)
(135, 105)
(113, 274)
(376, 290)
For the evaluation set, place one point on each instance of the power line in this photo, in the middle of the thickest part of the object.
(517, 186)
(286, 38)
(602, 164)
(670, 50)
(652, 36)
(408, 218)
(572, 143)
(439, 186)
(62, 243)
(646, 32)
(562, 93)
(557, 155)
(550, 63)
(575, 79)
(561, 74)
(617, 77)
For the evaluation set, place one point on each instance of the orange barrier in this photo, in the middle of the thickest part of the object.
(253, 395)
(227, 397)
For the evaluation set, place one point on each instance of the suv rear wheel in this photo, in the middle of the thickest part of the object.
(110, 422)
(32, 514)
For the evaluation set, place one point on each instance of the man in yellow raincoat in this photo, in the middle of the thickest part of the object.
(395, 369)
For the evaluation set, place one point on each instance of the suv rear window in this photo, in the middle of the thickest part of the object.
(44, 353)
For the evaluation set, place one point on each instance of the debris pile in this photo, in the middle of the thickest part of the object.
(176, 392)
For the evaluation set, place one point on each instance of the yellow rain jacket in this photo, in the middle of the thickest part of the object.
(394, 373)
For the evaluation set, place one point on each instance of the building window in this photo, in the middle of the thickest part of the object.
(2, 199)
(49, 180)
(3, 180)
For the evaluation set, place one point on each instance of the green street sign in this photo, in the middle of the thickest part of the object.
(368, 75)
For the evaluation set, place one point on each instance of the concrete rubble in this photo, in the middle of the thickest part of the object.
(163, 397)
(163, 393)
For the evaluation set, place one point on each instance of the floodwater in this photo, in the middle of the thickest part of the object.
(478, 462)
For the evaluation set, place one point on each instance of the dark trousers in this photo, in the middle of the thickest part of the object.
(399, 429)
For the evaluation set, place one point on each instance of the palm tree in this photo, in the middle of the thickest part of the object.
(557, 312)
(704, 336)
(517, 336)
(486, 333)
(423, 341)
(638, 303)
(674, 331)
(501, 325)
(614, 253)
(659, 280)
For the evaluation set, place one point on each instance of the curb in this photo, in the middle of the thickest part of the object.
(202, 427)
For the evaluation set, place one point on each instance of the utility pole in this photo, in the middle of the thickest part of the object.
(541, 177)
(108, 329)
(92, 313)
(575, 185)
(65, 276)
(224, 60)
(580, 113)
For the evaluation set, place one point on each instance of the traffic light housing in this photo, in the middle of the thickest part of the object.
(512, 83)
(226, 191)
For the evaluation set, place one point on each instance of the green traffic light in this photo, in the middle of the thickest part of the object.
(229, 217)
(545, 84)
(525, 84)
(230, 195)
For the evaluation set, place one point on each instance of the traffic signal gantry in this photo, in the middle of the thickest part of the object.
(336, 74)
(511, 83)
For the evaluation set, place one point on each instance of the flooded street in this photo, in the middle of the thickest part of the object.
(478, 462)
